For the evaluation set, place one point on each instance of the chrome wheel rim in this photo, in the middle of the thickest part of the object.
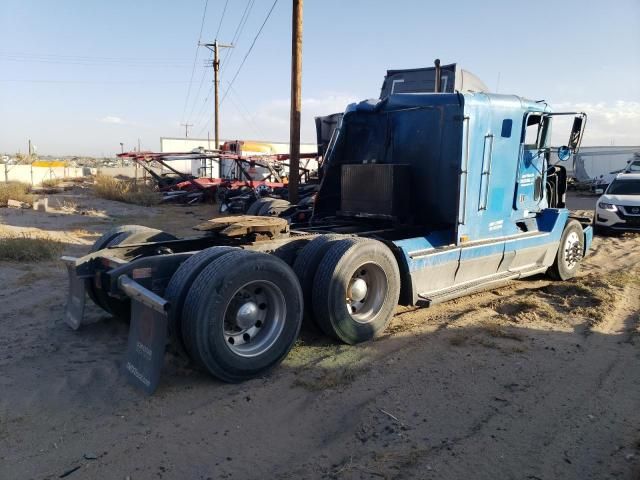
(366, 292)
(254, 318)
(572, 250)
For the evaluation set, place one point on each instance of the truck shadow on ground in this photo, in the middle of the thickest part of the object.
(542, 372)
(415, 402)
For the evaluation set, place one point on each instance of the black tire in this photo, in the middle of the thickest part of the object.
(106, 237)
(289, 251)
(601, 231)
(221, 193)
(569, 255)
(367, 260)
(597, 230)
(273, 208)
(264, 206)
(117, 307)
(209, 298)
(306, 265)
(255, 207)
(178, 287)
(104, 241)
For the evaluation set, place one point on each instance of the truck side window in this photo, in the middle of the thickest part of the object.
(532, 131)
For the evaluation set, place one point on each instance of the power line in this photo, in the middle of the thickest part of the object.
(204, 71)
(236, 34)
(195, 58)
(131, 62)
(197, 95)
(201, 113)
(215, 48)
(146, 81)
(249, 51)
(242, 109)
(186, 128)
(224, 10)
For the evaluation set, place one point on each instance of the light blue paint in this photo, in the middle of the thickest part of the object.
(502, 213)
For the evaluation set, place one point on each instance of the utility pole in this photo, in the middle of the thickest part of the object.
(296, 101)
(186, 128)
(216, 80)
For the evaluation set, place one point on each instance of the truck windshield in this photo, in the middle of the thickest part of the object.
(624, 187)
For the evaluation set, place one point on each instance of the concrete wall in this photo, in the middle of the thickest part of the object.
(35, 175)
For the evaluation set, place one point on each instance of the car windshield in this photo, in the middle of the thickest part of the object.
(624, 187)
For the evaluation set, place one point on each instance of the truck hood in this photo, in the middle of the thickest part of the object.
(631, 200)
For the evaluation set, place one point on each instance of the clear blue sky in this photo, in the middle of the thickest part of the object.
(80, 76)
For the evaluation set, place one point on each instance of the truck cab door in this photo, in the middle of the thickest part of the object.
(530, 181)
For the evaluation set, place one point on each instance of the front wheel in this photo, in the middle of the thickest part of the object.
(570, 252)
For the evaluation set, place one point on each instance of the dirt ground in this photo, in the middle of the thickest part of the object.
(537, 380)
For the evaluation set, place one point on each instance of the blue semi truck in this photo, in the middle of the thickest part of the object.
(424, 197)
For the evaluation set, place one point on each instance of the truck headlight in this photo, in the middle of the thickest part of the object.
(607, 206)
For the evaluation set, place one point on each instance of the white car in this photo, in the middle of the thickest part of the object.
(634, 166)
(618, 210)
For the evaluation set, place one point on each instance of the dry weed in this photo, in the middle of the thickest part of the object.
(25, 248)
(50, 182)
(126, 191)
(15, 191)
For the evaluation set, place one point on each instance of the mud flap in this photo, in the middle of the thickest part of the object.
(147, 335)
(76, 297)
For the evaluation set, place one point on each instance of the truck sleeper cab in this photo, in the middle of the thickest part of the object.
(424, 197)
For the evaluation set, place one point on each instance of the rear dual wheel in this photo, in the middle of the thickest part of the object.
(268, 207)
(306, 266)
(356, 290)
(241, 315)
(273, 208)
(180, 283)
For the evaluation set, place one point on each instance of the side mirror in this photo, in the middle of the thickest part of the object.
(564, 153)
(576, 133)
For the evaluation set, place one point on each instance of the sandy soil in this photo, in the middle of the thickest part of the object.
(536, 380)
